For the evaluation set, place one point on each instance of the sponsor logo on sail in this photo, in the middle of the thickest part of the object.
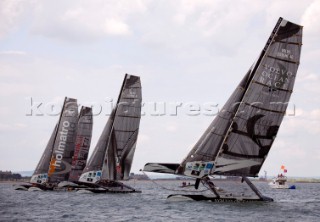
(58, 154)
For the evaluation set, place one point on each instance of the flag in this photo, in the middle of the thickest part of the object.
(283, 167)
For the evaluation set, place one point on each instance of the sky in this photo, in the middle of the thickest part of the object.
(192, 53)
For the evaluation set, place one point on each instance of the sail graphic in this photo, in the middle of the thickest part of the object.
(263, 106)
(82, 143)
(40, 174)
(64, 143)
(113, 154)
(238, 140)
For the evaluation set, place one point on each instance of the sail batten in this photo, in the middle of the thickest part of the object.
(259, 116)
(125, 130)
(241, 135)
(114, 152)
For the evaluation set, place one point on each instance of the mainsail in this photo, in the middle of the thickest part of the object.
(113, 154)
(240, 137)
(238, 140)
(82, 143)
(40, 174)
(64, 143)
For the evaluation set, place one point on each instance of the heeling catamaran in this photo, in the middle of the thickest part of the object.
(112, 157)
(64, 143)
(239, 139)
(55, 163)
(61, 147)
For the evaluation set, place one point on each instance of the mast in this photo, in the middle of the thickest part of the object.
(63, 146)
(114, 151)
(263, 105)
(214, 139)
(124, 133)
(96, 160)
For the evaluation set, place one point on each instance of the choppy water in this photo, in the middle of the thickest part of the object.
(302, 204)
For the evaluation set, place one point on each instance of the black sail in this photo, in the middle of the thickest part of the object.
(263, 106)
(240, 137)
(125, 128)
(115, 149)
(43, 165)
(64, 144)
(82, 143)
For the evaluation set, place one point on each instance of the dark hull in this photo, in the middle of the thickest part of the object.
(97, 190)
(216, 199)
(108, 187)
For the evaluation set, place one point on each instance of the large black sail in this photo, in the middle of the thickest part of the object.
(263, 106)
(239, 138)
(64, 144)
(114, 151)
(125, 128)
(41, 171)
(82, 144)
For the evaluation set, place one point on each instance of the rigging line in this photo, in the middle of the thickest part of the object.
(163, 187)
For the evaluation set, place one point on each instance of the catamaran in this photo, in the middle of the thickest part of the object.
(238, 140)
(113, 155)
(59, 159)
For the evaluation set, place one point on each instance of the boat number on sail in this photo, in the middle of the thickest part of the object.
(285, 53)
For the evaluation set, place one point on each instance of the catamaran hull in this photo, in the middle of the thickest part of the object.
(181, 197)
(22, 187)
(101, 190)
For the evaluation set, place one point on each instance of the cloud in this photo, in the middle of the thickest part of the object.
(303, 121)
(115, 27)
(84, 20)
(9, 89)
(10, 15)
(310, 20)
(12, 127)
(13, 53)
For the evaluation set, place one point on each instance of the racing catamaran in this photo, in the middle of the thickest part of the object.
(238, 140)
(112, 157)
(57, 162)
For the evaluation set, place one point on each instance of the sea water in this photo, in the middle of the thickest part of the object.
(302, 204)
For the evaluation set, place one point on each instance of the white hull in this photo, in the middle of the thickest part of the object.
(279, 182)
(34, 189)
(278, 186)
